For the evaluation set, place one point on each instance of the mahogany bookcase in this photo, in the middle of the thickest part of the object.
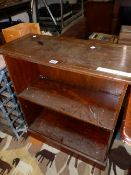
(64, 103)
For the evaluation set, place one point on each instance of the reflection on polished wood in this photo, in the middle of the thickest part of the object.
(75, 54)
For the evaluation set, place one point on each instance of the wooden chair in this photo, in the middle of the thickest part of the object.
(20, 30)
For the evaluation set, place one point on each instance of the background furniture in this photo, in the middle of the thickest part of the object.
(104, 38)
(56, 16)
(102, 16)
(125, 12)
(10, 113)
(9, 8)
(20, 30)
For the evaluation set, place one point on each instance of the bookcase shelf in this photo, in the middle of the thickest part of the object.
(78, 137)
(70, 109)
(75, 101)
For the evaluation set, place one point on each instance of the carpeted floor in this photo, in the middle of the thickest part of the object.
(32, 157)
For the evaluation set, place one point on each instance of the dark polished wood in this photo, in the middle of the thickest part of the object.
(78, 102)
(78, 136)
(67, 103)
(126, 130)
(102, 16)
(72, 54)
(30, 72)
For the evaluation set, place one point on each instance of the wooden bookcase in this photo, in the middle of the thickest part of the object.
(64, 104)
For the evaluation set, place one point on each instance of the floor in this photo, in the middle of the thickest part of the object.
(78, 30)
(28, 156)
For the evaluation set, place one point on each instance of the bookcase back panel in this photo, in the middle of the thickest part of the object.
(90, 80)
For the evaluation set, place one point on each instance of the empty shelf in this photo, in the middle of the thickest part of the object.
(84, 104)
(87, 139)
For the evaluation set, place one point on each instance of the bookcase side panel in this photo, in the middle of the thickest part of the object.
(22, 73)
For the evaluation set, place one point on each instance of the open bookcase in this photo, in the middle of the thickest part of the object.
(64, 104)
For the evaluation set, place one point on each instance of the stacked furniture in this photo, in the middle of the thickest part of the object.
(56, 11)
(9, 106)
(56, 16)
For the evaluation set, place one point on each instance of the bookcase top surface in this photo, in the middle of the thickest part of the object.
(72, 54)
